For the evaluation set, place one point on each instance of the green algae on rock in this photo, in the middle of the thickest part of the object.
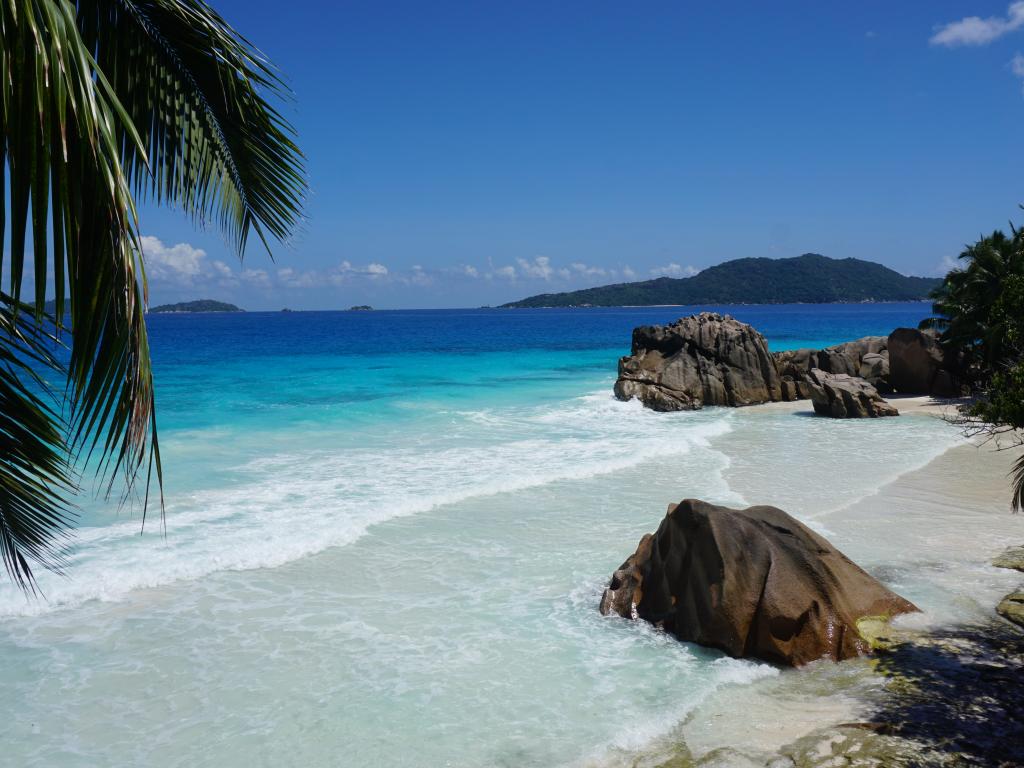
(1012, 557)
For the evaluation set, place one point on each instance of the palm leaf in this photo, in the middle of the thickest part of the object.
(35, 476)
(101, 99)
(194, 88)
(1017, 485)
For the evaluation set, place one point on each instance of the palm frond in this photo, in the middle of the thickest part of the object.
(100, 99)
(1017, 485)
(35, 475)
(63, 132)
(197, 92)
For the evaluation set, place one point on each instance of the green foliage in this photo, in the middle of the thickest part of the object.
(980, 309)
(975, 305)
(100, 101)
(808, 279)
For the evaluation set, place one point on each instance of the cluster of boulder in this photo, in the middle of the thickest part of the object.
(713, 359)
(751, 582)
(756, 582)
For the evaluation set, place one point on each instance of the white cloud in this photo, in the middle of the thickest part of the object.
(346, 270)
(179, 263)
(628, 273)
(974, 30)
(508, 273)
(291, 278)
(222, 270)
(1017, 65)
(539, 268)
(256, 277)
(587, 270)
(418, 276)
(675, 270)
(947, 264)
(470, 271)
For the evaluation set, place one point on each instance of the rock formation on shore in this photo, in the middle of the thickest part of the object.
(846, 397)
(712, 359)
(705, 359)
(752, 582)
(919, 365)
(1012, 558)
(867, 358)
(1011, 608)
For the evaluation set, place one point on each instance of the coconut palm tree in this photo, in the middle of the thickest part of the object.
(965, 303)
(980, 310)
(103, 103)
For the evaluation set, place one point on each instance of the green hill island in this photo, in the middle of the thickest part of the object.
(202, 305)
(808, 279)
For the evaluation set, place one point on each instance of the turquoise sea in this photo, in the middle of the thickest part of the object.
(386, 537)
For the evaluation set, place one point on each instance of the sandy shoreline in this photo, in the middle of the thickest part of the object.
(792, 719)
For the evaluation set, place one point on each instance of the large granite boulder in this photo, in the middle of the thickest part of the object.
(705, 359)
(867, 358)
(751, 582)
(918, 365)
(846, 397)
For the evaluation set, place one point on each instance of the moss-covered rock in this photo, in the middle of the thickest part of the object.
(1012, 558)
(1012, 608)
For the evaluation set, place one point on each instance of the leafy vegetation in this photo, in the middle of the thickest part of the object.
(980, 310)
(103, 102)
(202, 305)
(809, 279)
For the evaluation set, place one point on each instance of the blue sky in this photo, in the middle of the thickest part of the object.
(463, 154)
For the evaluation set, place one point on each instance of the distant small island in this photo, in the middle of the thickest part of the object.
(202, 305)
(361, 308)
(808, 279)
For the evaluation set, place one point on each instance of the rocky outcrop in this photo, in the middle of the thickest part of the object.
(1012, 557)
(846, 397)
(705, 359)
(1011, 608)
(752, 582)
(919, 366)
(867, 358)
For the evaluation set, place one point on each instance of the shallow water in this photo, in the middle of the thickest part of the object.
(387, 534)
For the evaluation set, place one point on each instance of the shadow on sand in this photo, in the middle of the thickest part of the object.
(961, 692)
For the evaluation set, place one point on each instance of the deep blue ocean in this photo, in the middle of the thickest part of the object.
(386, 536)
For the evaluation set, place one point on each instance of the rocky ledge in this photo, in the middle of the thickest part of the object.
(751, 582)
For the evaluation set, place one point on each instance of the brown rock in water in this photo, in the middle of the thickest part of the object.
(918, 364)
(705, 359)
(846, 397)
(751, 582)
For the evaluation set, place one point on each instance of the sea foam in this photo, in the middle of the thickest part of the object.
(286, 506)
